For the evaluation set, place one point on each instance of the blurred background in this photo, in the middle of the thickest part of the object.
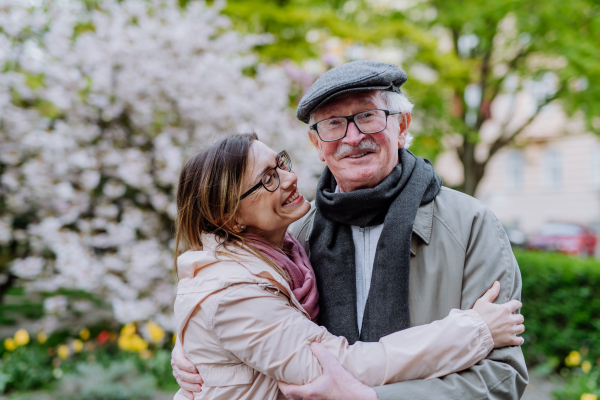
(102, 100)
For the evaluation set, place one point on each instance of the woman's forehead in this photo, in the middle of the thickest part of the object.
(261, 156)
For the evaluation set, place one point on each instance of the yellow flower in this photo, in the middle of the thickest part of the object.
(146, 354)
(174, 338)
(156, 332)
(21, 337)
(77, 346)
(137, 343)
(42, 337)
(586, 366)
(125, 342)
(84, 334)
(588, 396)
(128, 330)
(63, 351)
(573, 359)
(9, 344)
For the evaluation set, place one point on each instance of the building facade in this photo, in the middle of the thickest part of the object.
(552, 173)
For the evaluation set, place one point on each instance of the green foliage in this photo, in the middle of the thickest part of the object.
(26, 368)
(561, 305)
(160, 367)
(118, 381)
(116, 373)
(522, 39)
(578, 383)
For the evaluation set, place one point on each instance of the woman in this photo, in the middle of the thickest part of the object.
(247, 293)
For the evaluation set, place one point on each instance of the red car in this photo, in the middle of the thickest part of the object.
(565, 237)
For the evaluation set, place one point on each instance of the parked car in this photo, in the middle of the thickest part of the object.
(565, 237)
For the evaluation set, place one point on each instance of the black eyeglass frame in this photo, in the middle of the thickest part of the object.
(350, 118)
(283, 155)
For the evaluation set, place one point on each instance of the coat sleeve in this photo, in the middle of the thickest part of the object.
(263, 331)
(503, 374)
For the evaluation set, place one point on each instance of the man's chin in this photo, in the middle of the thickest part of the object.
(359, 178)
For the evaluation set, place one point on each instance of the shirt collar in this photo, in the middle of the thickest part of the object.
(423, 220)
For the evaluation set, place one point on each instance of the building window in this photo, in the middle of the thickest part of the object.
(596, 167)
(552, 169)
(515, 168)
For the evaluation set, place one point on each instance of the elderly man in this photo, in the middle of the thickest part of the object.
(390, 247)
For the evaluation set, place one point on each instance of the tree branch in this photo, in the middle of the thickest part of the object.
(503, 141)
(511, 66)
(485, 71)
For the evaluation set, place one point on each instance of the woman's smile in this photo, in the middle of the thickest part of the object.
(294, 198)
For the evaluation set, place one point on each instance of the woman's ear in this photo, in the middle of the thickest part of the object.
(239, 228)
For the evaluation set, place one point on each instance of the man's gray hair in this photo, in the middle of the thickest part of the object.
(395, 102)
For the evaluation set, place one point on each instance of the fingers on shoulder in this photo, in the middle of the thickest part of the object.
(514, 305)
(518, 318)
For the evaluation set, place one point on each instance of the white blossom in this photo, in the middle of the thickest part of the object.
(99, 109)
(29, 267)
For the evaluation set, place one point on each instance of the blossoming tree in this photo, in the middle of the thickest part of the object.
(99, 106)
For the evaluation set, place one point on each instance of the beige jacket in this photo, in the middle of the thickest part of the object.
(241, 326)
(458, 250)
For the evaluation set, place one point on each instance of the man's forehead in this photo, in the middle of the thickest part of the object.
(358, 98)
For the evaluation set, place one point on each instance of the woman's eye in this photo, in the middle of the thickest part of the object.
(267, 179)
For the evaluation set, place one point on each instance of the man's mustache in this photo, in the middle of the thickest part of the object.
(367, 143)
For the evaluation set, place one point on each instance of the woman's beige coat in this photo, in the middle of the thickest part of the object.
(241, 326)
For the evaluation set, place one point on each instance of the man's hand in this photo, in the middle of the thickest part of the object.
(335, 384)
(185, 372)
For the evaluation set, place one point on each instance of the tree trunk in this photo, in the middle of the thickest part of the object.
(473, 170)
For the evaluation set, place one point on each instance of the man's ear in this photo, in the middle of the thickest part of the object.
(315, 141)
(404, 121)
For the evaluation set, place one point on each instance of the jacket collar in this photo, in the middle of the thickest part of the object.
(189, 262)
(424, 221)
(422, 225)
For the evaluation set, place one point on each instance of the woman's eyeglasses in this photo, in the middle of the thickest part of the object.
(270, 179)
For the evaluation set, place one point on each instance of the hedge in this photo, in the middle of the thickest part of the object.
(561, 305)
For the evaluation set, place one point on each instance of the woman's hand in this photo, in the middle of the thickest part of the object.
(185, 372)
(502, 323)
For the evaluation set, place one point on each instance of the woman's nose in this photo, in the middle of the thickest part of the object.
(288, 178)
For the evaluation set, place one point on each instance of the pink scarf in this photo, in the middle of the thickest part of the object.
(297, 265)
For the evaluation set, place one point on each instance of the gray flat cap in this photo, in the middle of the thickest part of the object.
(355, 75)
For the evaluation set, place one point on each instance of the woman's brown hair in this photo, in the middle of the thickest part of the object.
(208, 197)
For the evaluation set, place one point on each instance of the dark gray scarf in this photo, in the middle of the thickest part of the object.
(394, 202)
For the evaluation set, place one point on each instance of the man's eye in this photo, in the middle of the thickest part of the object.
(267, 179)
(331, 123)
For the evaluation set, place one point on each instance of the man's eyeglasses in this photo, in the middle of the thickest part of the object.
(270, 179)
(367, 122)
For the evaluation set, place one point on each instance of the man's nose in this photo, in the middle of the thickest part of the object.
(353, 135)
